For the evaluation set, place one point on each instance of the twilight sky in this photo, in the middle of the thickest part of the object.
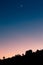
(21, 26)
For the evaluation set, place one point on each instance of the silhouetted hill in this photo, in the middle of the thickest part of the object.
(27, 59)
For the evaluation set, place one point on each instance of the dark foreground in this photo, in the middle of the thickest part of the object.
(30, 58)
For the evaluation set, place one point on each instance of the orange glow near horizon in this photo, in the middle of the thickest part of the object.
(20, 46)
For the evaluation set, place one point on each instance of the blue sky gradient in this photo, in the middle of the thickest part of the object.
(20, 19)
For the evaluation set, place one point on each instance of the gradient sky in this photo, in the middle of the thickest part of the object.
(21, 26)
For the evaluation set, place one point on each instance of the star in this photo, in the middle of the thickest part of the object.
(21, 5)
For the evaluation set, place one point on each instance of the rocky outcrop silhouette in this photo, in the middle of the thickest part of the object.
(29, 58)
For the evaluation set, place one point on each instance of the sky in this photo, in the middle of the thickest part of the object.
(21, 26)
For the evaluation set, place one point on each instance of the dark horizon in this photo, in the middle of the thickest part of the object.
(29, 58)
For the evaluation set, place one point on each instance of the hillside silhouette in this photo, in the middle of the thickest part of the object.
(27, 59)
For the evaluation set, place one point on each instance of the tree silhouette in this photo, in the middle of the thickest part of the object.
(27, 59)
(3, 57)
